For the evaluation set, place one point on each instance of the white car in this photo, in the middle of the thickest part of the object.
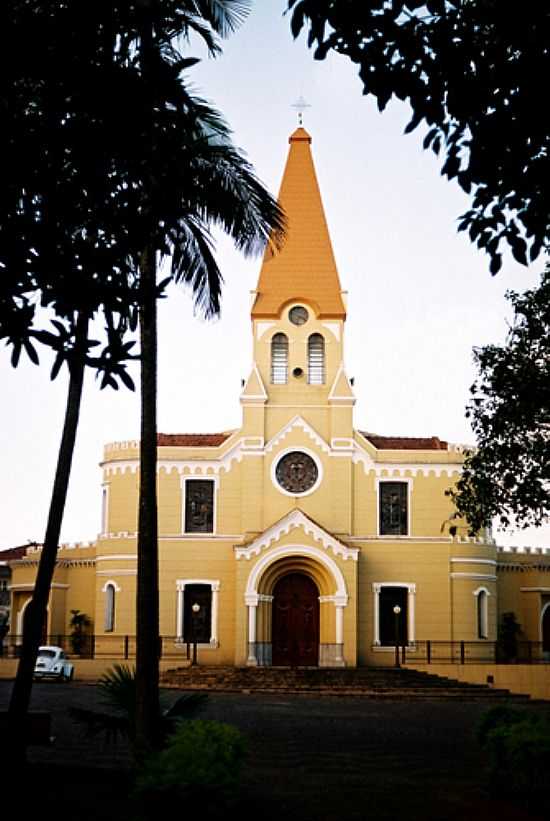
(52, 662)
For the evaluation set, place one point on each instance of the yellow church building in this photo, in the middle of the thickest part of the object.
(298, 534)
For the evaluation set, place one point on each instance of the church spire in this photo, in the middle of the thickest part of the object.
(305, 269)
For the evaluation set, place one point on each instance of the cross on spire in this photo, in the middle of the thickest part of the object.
(300, 105)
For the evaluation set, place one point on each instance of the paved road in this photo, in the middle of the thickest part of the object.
(323, 759)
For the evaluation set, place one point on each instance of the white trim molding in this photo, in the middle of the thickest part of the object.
(296, 449)
(473, 560)
(481, 576)
(295, 520)
(113, 584)
(411, 593)
(214, 585)
(297, 422)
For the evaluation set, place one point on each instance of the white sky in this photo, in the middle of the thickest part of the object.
(420, 295)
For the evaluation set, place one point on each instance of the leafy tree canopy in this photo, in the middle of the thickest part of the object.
(509, 473)
(472, 72)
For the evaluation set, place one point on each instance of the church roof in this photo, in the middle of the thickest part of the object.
(192, 440)
(305, 268)
(405, 442)
(14, 553)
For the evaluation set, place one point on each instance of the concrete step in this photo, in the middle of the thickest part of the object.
(375, 683)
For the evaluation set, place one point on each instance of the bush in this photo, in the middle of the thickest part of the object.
(201, 765)
(518, 744)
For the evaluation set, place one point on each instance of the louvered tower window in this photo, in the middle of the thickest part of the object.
(279, 360)
(316, 360)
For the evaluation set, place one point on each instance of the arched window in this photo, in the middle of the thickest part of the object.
(279, 359)
(316, 360)
(109, 608)
(482, 614)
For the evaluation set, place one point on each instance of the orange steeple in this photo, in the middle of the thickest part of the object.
(305, 269)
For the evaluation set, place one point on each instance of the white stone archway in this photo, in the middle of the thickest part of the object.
(339, 598)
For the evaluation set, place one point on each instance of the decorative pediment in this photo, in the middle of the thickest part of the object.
(341, 390)
(297, 422)
(296, 521)
(254, 389)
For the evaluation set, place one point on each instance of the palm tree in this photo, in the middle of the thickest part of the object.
(210, 183)
(218, 187)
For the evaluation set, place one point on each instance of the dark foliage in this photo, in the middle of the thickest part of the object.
(471, 71)
(508, 475)
(118, 688)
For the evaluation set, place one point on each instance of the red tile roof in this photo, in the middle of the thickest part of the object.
(14, 553)
(405, 442)
(191, 440)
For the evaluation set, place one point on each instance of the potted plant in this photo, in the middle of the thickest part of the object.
(78, 624)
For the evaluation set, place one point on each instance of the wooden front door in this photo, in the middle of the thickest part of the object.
(295, 627)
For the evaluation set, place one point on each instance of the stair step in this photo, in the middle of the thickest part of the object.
(367, 682)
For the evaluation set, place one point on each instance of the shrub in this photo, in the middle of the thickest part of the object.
(201, 764)
(518, 744)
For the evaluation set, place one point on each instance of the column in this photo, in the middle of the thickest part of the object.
(179, 611)
(214, 618)
(339, 633)
(252, 604)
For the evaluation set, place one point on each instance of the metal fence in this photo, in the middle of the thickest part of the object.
(105, 646)
(474, 652)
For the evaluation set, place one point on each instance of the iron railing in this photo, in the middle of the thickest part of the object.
(103, 646)
(474, 652)
(110, 646)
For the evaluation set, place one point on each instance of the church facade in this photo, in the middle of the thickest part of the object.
(298, 539)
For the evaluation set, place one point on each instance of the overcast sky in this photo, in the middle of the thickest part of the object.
(420, 295)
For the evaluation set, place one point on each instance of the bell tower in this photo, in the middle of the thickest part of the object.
(298, 316)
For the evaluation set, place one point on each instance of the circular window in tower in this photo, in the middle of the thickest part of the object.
(298, 315)
(297, 473)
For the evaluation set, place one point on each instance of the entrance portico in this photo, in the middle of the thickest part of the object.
(296, 596)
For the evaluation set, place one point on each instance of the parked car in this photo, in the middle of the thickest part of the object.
(52, 662)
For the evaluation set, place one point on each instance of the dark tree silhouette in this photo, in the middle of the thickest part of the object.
(471, 71)
(508, 475)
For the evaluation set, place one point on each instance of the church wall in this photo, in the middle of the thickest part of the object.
(200, 560)
(122, 512)
(169, 502)
(423, 565)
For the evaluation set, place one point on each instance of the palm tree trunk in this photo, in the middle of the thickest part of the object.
(35, 613)
(147, 599)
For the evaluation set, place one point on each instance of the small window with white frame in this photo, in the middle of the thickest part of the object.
(110, 607)
(316, 360)
(482, 612)
(197, 611)
(279, 359)
(393, 508)
(198, 505)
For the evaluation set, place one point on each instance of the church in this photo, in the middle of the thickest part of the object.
(298, 539)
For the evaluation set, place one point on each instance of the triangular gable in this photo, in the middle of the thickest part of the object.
(297, 422)
(341, 390)
(254, 389)
(296, 520)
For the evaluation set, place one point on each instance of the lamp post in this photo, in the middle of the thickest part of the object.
(195, 610)
(397, 611)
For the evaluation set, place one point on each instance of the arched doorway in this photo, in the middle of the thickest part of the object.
(295, 627)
